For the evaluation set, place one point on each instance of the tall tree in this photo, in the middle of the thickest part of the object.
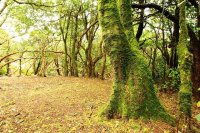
(185, 64)
(64, 28)
(133, 91)
(194, 39)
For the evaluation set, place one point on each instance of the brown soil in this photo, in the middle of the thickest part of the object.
(59, 104)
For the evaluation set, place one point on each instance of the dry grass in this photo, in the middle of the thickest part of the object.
(59, 104)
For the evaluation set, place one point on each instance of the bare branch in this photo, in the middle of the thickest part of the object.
(4, 5)
(166, 13)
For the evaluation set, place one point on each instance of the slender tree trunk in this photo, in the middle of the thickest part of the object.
(8, 67)
(153, 63)
(56, 62)
(185, 64)
(20, 67)
(7, 60)
(66, 70)
(89, 61)
(74, 58)
(90, 65)
(28, 70)
(64, 30)
(174, 43)
(141, 23)
(103, 64)
(38, 67)
(42, 70)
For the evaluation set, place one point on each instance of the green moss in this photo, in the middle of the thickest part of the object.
(185, 102)
(144, 102)
(185, 65)
(133, 91)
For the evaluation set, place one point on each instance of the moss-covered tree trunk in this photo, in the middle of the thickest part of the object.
(120, 53)
(133, 91)
(185, 63)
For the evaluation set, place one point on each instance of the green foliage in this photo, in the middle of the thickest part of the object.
(3, 71)
(173, 81)
(198, 117)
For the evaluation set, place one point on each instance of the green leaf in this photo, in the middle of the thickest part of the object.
(198, 104)
(198, 117)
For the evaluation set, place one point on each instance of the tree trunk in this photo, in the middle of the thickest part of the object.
(153, 63)
(56, 62)
(42, 68)
(141, 23)
(174, 43)
(8, 67)
(185, 64)
(194, 42)
(64, 30)
(66, 71)
(37, 68)
(133, 91)
(103, 64)
(20, 67)
(74, 58)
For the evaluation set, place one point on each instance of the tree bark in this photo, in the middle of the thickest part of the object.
(74, 56)
(185, 65)
(64, 31)
(42, 68)
(103, 64)
(141, 23)
(56, 62)
(133, 91)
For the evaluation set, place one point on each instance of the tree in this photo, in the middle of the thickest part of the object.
(185, 65)
(193, 34)
(133, 91)
(64, 28)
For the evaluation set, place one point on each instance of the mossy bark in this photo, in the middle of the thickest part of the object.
(133, 91)
(185, 64)
(120, 53)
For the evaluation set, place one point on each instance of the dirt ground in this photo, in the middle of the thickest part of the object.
(62, 105)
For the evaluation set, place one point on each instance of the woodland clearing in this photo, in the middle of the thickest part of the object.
(59, 104)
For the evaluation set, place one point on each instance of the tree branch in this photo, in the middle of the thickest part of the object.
(4, 5)
(166, 13)
(55, 52)
(35, 4)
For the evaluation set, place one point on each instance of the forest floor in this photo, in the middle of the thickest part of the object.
(59, 104)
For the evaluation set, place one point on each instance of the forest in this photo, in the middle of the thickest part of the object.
(100, 66)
